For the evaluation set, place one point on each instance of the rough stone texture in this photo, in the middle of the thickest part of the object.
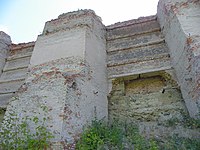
(150, 69)
(146, 97)
(67, 76)
(15, 71)
(5, 42)
(5, 97)
(136, 46)
(132, 27)
(179, 22)
(2, 112)
(152, 129)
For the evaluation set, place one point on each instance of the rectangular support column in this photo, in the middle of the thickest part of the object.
(180, 22)
(67, 81)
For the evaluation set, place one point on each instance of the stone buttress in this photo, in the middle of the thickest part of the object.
(179, 21)
(67, 81)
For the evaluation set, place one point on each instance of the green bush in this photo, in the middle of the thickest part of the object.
(117, 136)
(114, 136)
(178, 143)
(98, 135)
(15, 134)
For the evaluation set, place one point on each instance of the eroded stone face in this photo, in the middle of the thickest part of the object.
(150, 98)
(67, 80)
(179, 22)
(67, 77)
(58, 91)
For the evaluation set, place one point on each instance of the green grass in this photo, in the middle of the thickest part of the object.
(116, 136)
(119, 136)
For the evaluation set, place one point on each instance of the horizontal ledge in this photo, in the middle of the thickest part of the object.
(6, 70)
(134, 34)
(14, 58)
(166, 55)
(8, 81)
(138, 46)
(139, 72)
(22, 46)
(132, 22)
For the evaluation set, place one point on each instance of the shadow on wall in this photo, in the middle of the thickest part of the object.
(146, 97)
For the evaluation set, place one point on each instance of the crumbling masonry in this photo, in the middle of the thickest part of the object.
(146, 69)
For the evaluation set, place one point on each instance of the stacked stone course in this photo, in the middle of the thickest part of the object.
(145, 69)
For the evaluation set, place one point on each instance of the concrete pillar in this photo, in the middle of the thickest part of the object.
(179, 21)
(67, 76)
(5, 41)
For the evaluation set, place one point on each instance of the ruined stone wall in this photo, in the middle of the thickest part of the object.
(148, 68)
(146, 98)
(135, 47)
(5, 41)
(179, 22)
(15, 70)
(143, 84)
(67, 80)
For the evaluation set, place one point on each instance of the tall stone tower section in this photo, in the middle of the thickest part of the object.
(180, 22)
(67, 80)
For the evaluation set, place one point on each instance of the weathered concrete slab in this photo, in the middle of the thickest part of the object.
(17, 63)
(4, 99)
(11, 86)
(139, 54)
(133, 41)
(14, 74)
(132, 29)
(139, 67)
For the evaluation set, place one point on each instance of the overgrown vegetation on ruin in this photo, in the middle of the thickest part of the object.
(186, 122)
(16, 134)
(120, 136)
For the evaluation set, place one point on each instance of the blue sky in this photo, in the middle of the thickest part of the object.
(23, 20)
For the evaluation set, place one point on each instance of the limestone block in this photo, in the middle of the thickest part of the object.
(17, 63)
(139, 67)
(59, 45)
(20, 53)
(123, 29)
(133, 41)
(10, 86)
(71, 20)
(14, 74)
(180, 23)
(134, 55)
